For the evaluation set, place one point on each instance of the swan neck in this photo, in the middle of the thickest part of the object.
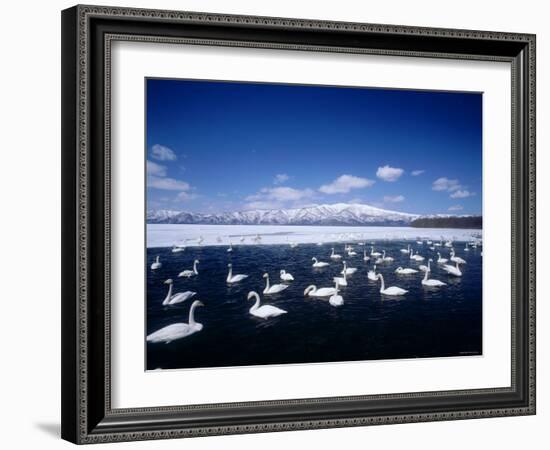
(195, 268)
(230, 274)
(256, 304)
(192, 315)
(382, 280)
(169, 295)
(426, 274)
(266, 283)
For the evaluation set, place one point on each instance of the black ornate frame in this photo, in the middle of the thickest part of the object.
(87, 33)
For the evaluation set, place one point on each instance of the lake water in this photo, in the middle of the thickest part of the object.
(426, 322)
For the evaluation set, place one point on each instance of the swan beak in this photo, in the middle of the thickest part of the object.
(250, 295)
(199, 303)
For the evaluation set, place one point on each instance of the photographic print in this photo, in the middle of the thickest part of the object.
(292, 224)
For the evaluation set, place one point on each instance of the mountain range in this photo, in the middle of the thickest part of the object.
(336, 214)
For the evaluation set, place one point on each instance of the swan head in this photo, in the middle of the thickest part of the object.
(196, 261)
(197, 303)
(169, 281)
(309, 289)
(265, 275)
(230, 265)
(252, 294)
(430, 259)
(282, 271)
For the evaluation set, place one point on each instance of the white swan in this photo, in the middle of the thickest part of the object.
(416, 257)
(176, 298)
(452, 270)
(319, 263)
(286, 276)
(265, 311)
(190, 273)
(373, 253)
(275, 289)
(351, 253)
(419, 242)
(312, 291)
(177, 249)
(342, 281)
(334, 255)
(348, 270)
(406, 250)
(392, 290)
(371, 275)
(230, 249)
(431, 282)
(456, 259)
(386, 258)
(441, 260)
(177, 330)
(234, 278)
(336, 300)
(365, 257)
(405, 271)
(157, 264)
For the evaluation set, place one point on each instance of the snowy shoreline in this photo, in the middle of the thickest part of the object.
(168, 235)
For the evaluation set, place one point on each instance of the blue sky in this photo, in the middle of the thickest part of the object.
(228, 146)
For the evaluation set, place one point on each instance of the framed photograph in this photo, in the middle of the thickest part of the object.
(277, 224)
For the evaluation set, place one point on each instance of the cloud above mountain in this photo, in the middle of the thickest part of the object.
(345, 183)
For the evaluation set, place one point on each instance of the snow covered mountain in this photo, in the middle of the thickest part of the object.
(336, 214)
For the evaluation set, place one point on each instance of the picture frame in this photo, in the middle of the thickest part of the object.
(87, 412)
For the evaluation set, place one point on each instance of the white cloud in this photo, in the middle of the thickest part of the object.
(162, 153)
(278, 197)
(394, 198)
(461, 193)
(169, 184)
(281, 194)
(415, 173)
(456, 208)
(280, 178)
(345, 183)
(445, 184)
(155, 169)
(185, 196)
(388, 173)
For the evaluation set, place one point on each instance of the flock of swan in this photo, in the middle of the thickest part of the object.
(449, 265)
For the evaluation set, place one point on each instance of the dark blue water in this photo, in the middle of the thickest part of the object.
(426, 322)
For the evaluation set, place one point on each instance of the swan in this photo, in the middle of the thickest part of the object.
(438, 244)
(157, 264)
(392, 290)
(431, 282)
(351, 253)
(386, 258)
(176, 298)
(177, 249)
(293, 245)
(265, 311)
(441, 260)
(452, 270)
(378, 261)
(406, 250)
(190, 273)
(373, 253)
(466, 249)
(419, 242)
(178, 330)
(342, 281)
(336, 300)
(334, 255)
(312, 291)
(429, 242)
(405, 271)
(371, 275)
(365, 257)
(456, 259)
(234, 278)
(427, 268)
(348, 270)
(286, 276)
(449, 244)
(416, 256)
(275, 289)
(230, 249)
(319, 263)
